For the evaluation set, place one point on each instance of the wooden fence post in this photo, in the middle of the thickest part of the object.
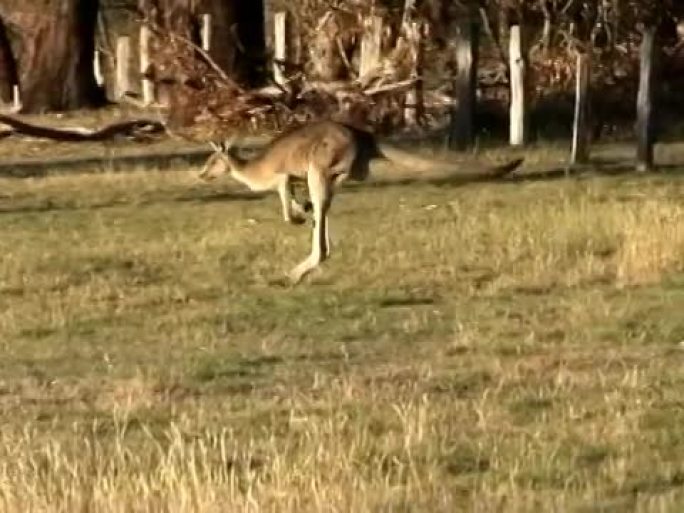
(581, 131)
(462, 132)
(145, 62)
(279, 46)
(123, 54)
(414, 108)
(518, 114)
(370, 47)
(205, 32)
(644, 125)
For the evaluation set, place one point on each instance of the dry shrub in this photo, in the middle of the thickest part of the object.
(205, 103)
(202, 101)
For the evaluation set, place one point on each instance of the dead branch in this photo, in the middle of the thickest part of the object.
(205, 55)
(396, 86)
(205, 104)
(487, 24)
(343, 57)
(139, 129)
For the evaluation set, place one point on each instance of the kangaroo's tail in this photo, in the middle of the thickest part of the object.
(412, 161)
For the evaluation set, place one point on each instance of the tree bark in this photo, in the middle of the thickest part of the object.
(462, 133)
(8, 67)
(53, 45)
(250, 28)
(224, 45)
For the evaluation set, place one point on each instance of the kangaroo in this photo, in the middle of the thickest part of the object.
(324, 154)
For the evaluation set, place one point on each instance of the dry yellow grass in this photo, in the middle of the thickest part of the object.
(506, 347)
(652, 242)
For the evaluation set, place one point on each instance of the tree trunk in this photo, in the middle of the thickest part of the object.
(8, 67)
(250, 26)
(462, 133)
(238, 43)
(223, 43)
(54, 47)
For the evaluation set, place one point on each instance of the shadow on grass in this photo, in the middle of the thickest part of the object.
(597, 167)
(51, 205)
(221, 197)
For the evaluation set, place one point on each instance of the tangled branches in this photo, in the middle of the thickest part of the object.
(203, 102)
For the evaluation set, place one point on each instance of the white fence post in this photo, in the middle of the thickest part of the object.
(145, 62)
(97, 68)
(123, 54)
(16, 98)
(279, 46)
(206, 32)
(580, 129)
(518, 114)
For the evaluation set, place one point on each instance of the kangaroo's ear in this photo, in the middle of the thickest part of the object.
(216, 147)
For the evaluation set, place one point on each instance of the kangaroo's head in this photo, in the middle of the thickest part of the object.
(222, 161)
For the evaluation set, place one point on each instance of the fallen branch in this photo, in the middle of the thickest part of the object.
(138, 129)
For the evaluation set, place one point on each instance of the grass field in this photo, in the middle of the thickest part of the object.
(491, 347)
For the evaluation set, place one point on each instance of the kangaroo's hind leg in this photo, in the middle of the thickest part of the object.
(321, 196)
(337, 180)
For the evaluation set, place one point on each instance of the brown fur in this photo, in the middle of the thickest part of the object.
(324, 154)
